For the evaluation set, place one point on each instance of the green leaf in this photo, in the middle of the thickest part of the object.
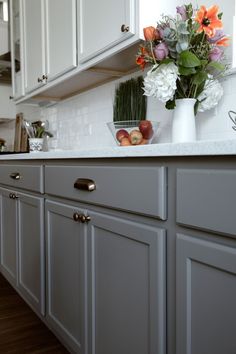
(216, 65)
(188, 59)
(199, 78)
(170, 104)
(186, 71)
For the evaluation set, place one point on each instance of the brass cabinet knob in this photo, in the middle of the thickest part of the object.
(124, 28)
(76, 216)
(81, 218)
(13, 196)
(40, 79)
(84, 218)
(44, 77)
(15, 175)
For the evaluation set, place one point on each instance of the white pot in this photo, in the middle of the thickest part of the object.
(183, 124)
(35, 144)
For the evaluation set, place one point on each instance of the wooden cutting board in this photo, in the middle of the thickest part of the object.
(21, 137)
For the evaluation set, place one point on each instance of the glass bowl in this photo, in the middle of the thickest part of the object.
(133, 132)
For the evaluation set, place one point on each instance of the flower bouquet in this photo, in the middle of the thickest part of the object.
(187, 57)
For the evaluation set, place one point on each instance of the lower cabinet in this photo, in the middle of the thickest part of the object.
(22, 245)
(106, 282)
(206, 293)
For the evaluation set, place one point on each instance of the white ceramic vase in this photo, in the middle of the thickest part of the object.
(35, 144)
(183, 124)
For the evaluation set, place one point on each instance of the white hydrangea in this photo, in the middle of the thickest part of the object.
(160, 82)
(210, 96)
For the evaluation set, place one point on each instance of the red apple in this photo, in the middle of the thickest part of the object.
(121, 133)
(125, 142)
(145, 127)
(135, 137)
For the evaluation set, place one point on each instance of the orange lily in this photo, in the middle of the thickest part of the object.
(140, 60)
(150, 33)
(224, 42)
(208, 20)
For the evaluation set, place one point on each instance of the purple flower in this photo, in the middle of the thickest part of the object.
(215, 54)
(182, 11)
(219, 34)
(161, 51)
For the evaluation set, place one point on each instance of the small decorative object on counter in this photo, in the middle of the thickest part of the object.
(187, 57)
(2, 145)
(128, 133)
(36, 144)
(232, 116)
(37, 131)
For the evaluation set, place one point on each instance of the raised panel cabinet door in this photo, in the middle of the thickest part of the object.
(100, 25)
(206, 293)
(127, 287)
(60, 37)
(31, 274)
(16, 37)
(34, 43)
(66, 301)
(8, 229)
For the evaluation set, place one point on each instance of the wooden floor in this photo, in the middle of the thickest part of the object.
(21, 331)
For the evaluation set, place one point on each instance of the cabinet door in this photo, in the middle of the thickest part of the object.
(34, 43)
(65, 270)
(60, 37)
(8, 231)
(99, 25)
(16, 34)
(127, 287)
(31, 274)
(206, 293)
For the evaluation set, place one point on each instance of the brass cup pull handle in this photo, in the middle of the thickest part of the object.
(85, 184)
(11, 195)
(15, 175)
(124, 28)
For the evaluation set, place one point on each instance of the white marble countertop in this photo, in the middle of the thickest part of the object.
(199, 148)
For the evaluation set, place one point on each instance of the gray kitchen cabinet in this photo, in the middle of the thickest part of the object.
(66, 275)
(106, 282)
(49, 40)
(126, 286)
(22, 245)
(8, 222)
(22, 231)
(106, 272)
(206, 292)
(205, 260)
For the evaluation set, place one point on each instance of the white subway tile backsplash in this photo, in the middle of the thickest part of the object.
(80, 122)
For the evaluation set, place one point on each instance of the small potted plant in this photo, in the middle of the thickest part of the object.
(39, 133)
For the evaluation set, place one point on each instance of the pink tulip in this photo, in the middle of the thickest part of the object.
(215, 54)
(182, 11)
(161, 51)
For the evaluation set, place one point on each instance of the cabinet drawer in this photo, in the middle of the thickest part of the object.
(206, 199)
(136, 189)
(23, 176)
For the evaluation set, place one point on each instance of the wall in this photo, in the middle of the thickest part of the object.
(7, 110)
(80, 122)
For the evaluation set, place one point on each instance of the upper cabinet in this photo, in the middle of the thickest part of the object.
(101, 36)
(17, 48)
(103, 24)
(49, 40)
